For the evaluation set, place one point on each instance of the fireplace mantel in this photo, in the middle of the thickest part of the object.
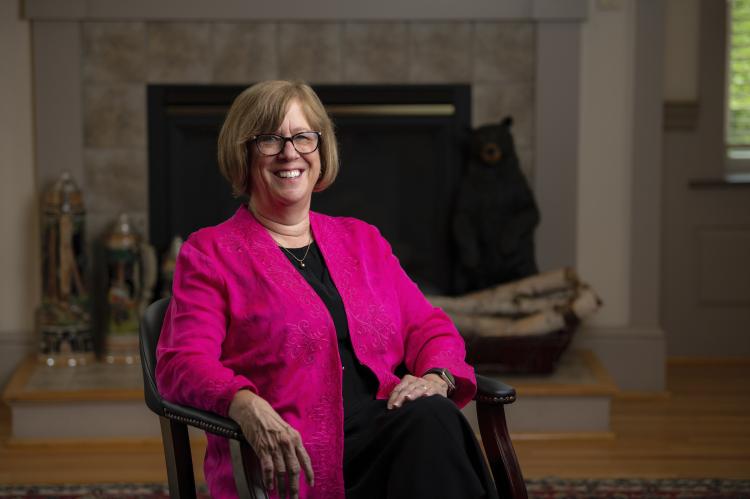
(447, 33)
(566, 34)
(295, 10)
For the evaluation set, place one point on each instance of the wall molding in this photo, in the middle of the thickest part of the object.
(328, 10)
(646, 166)
(557, 122)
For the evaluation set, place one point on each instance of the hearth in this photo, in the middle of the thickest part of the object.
(401, 162)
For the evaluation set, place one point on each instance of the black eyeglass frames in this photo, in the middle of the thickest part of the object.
(269, 144)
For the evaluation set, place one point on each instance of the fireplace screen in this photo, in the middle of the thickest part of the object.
(401, 150)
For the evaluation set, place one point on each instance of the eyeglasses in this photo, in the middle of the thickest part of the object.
(271, 144)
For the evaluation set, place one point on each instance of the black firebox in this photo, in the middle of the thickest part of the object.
(402, 155)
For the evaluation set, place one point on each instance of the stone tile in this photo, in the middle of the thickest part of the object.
(504, 52)
(244, 52)
(310, 51)
(116, 180)
(114, 52)
(114, 115)
(97, 224)
(440, 52)
(491, 102)
(140, 222)
(179, 52)
(376, 52)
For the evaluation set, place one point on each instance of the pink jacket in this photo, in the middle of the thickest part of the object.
(242, 316)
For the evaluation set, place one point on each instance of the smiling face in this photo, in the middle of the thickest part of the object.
(287, 179)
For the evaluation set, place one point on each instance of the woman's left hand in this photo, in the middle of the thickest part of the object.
(411, 388)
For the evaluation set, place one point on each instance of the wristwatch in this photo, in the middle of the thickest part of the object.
(446, 376)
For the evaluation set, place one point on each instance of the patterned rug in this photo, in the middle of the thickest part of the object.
(554, 488)
(114, 490)
(548, 488)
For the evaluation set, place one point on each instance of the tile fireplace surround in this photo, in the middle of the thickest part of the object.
(93, 61)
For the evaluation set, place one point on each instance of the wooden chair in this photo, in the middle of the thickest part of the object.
(491, 396)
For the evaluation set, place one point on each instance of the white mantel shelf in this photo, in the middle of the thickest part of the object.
(305, 10)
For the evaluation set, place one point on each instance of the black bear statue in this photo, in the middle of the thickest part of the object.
(495, 215)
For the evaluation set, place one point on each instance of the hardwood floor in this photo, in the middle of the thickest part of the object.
(701, 429)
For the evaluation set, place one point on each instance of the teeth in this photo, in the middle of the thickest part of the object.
(288, 173)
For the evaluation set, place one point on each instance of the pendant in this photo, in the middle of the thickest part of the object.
(302, 265)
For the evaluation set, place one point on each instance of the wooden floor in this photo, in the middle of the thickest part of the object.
(702, 429)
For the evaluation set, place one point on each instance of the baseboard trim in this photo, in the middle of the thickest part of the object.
(123, 444)
(645, 396)
(581, 435)
(708, 361)
(78, 444)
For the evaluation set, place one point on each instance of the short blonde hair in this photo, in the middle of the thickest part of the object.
(261, 109)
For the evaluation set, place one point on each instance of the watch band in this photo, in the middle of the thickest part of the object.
(446, 376)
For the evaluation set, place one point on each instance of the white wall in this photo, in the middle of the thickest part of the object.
(605, 161)
(681, 50)
(613, 252)
(19, 291)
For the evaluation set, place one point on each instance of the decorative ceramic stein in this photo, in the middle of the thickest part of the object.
(64, 317)
(131, 275)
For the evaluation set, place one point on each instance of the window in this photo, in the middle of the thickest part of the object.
(738, 91)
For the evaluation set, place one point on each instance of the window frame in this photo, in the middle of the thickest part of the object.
(737, 166)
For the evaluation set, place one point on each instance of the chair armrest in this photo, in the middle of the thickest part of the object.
(492, 391)
(489, 390)
(245, 464)
(203, 420)
(491, 397)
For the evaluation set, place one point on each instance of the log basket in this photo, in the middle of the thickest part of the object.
(519, 354)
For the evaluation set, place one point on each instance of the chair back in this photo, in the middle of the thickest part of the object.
(149, 337)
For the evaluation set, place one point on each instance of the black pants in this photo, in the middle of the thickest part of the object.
(424, 449)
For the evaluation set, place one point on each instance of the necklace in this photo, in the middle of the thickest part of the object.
(301, 261)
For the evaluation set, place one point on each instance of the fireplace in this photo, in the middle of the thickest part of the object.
(401, 149)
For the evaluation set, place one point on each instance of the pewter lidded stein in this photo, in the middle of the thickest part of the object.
(131, 275)
(64, 316)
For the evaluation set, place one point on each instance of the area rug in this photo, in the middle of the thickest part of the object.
(555, 488)
(114, 490)
(548, 488)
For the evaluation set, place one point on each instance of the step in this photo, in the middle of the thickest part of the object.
(100, 401)
(572, 402)
(104, 401)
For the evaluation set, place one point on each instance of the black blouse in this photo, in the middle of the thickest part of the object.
(359, 382)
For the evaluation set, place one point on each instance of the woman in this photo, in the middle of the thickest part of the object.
(294, 324)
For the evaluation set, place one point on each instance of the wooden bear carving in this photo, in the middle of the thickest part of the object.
(495, 215)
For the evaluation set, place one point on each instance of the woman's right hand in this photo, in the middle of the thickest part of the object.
(278, 445)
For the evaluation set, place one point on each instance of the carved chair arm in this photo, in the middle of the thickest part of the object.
(203, 420)
(492, 391)
(247, 473)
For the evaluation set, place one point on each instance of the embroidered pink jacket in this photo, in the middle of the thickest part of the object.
(242, 316)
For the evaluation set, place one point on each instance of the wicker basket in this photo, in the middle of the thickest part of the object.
(519, 354)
